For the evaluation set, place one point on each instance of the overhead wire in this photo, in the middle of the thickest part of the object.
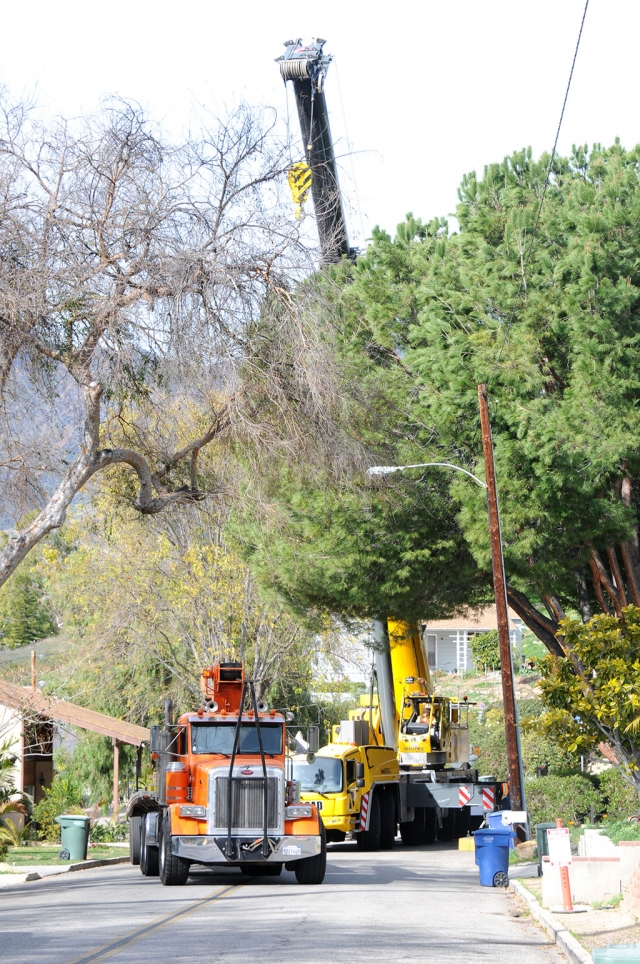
(536, 221)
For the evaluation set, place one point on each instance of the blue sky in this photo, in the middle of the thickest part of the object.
(430, 89)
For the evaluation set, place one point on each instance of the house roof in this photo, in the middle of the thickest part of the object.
(33, 701)
(474, 620)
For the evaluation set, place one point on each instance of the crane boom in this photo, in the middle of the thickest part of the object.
(306, 67)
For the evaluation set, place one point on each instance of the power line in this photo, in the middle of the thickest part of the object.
(543, 195)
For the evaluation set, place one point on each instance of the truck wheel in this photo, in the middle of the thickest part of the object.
(173, 870)
(311, 870)
(388, 821)
(148, 855)
(370, 839)
(261, 870)
(135, 828)
(413, 833)
(431, 825)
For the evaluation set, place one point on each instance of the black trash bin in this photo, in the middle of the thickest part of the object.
(542, 842)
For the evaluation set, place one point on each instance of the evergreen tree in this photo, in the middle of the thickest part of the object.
(24, 614)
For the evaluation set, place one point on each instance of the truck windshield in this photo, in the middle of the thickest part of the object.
(324, 775)
(219, 737)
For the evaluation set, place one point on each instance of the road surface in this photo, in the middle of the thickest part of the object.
(396, 907)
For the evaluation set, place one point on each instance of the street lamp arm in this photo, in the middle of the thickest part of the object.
(389, 469)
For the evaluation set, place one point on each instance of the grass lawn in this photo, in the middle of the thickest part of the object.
(48, 854)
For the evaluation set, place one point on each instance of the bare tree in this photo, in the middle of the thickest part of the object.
(131, 272)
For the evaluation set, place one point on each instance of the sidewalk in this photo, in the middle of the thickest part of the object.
(577, 934)
(8, 876)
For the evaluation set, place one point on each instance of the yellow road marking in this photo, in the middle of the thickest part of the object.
(108, 950)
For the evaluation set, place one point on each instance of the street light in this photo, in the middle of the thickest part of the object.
(390, 469)
(514, 754)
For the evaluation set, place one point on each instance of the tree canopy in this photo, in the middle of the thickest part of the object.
(592, 699)
(552, 325)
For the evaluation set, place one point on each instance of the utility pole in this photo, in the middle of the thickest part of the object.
(514, 755)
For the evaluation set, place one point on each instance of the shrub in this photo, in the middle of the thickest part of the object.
(109, 832)
(569, 797)
(620, 800)
(618, 830)
(63, 796)
(485, 650)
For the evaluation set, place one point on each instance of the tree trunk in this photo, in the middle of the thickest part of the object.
(584, 602)
(629, 549)
(545, 629)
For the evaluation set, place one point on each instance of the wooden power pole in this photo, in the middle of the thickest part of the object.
(514, 756)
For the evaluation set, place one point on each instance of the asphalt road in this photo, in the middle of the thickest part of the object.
(406, 905)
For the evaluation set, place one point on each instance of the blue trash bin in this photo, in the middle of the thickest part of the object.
(495, 823)
(492, 855)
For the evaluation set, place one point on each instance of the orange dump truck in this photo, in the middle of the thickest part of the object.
(223, 796)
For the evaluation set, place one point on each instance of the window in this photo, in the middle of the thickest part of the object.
(219, 738)
(351, 772)
(324, 775)
(431, 650)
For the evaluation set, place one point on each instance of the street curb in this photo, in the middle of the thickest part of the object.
(83, 865)
(570, 946)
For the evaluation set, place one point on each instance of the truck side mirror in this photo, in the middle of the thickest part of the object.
(359, 775)
(313, 739)
(154, 743)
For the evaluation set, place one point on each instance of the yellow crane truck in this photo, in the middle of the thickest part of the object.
(401, 759)
(354, 786)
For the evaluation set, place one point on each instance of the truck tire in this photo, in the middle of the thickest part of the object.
(413, 833)
(173, 870)
(369, 840)
(135, 829)
(311, 870)
(149, 857)
(388, 820)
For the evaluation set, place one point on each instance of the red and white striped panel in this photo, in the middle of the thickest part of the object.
(364, 811)
(488, 798)
(464, 796)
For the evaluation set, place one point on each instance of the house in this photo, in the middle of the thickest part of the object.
(446, 641)
(28, 719)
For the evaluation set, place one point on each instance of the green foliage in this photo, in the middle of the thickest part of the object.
(91, 765)
(568, 797)
(485, 650)
(618, 830)
(63, 796)
(595, 694)
(420, 321)
(619, 798)
(537, 750)
(25, 615)
(109, 832)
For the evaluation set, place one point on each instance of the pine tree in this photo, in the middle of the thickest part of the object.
(24, 616)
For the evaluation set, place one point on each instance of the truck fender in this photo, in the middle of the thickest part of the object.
(152, 829)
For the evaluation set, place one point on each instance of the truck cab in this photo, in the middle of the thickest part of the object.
(354, 785)
(222, 793)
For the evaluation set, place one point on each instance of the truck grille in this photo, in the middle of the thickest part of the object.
(247, 804)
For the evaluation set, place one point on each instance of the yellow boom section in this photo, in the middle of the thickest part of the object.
(407, 660)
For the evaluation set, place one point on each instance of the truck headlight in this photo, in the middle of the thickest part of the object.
(190, 811)
(300, 810)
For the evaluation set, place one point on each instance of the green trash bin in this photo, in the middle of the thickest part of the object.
(617, 954)
(542, 842)
(75, 834)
